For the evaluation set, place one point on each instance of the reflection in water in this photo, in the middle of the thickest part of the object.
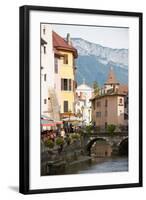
(100, 165)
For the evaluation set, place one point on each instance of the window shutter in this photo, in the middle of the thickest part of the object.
(62, 84)
(70, 83)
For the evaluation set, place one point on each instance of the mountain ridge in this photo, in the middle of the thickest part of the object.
(94, 61)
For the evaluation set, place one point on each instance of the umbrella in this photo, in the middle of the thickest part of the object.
(45, 122)
(72, 119)
(58, 122)
(46, 117)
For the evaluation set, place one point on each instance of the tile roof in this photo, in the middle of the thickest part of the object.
(61, 44)
(123, 89)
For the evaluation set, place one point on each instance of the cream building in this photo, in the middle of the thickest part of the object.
(49, 77)
(83, 103)
(111, 105)
(47, 68)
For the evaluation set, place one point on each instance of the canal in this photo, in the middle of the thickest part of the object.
(100, 165)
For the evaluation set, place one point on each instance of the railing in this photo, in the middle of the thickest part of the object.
(106, 134)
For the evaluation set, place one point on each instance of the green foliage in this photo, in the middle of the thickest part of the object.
(75, 136)
(111, 128)
(49, 143)
(96, 87)
(88, 130)
(59, 141)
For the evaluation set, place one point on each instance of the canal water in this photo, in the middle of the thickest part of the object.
(100, 165)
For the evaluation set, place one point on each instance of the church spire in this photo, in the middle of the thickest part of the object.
(111, 77)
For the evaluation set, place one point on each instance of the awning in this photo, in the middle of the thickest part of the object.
(46, 121)
(72, 119)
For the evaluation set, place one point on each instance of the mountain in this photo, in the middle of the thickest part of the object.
(94, 61)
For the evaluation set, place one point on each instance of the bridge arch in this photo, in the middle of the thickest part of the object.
(92, 141)
(123, 147)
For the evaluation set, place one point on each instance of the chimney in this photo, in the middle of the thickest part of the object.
(68, 39)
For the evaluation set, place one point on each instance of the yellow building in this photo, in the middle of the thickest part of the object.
(65, 55)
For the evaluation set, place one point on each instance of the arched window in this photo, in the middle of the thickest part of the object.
(121, 100)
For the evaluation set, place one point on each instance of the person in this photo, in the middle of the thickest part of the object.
(71, 128)
(65, 126)
(62, 133)
(52, 135)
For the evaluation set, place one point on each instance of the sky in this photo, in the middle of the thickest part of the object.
(113, 37)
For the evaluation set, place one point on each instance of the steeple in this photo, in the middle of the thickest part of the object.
(111, 78)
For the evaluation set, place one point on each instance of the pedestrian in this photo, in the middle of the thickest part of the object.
(62, 133)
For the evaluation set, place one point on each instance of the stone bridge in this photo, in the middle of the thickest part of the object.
(118, 141)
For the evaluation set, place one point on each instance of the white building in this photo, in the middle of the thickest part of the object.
(47, 68)
(83, 104)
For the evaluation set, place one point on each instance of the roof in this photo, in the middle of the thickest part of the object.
(84, 87)
(61, 44)
(121, 91)
(111, 78)
(106, 95)
(57, 53)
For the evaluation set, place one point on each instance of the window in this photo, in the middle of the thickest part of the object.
(65, 59)
(65, 106)
(45, 77)
(125, 116)
(44, 49)
(98, 104)
(66, 84)
(106, 113)
(121, 100)
(106, 103)
(56, 65)
(98, 114)
(44, 30)
(105, 125)
(45, 101)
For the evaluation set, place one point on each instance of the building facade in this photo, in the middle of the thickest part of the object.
(83, 103)
(110, 106)
(47, 69)
(65, 55)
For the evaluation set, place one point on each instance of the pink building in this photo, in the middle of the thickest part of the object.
(110, 106)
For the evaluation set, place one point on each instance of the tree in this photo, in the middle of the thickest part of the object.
(111, 128)
(96, 87)
(49, 143)
(89, 130)
(60, 143)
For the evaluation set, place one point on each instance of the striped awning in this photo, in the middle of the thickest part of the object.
(46, 121)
